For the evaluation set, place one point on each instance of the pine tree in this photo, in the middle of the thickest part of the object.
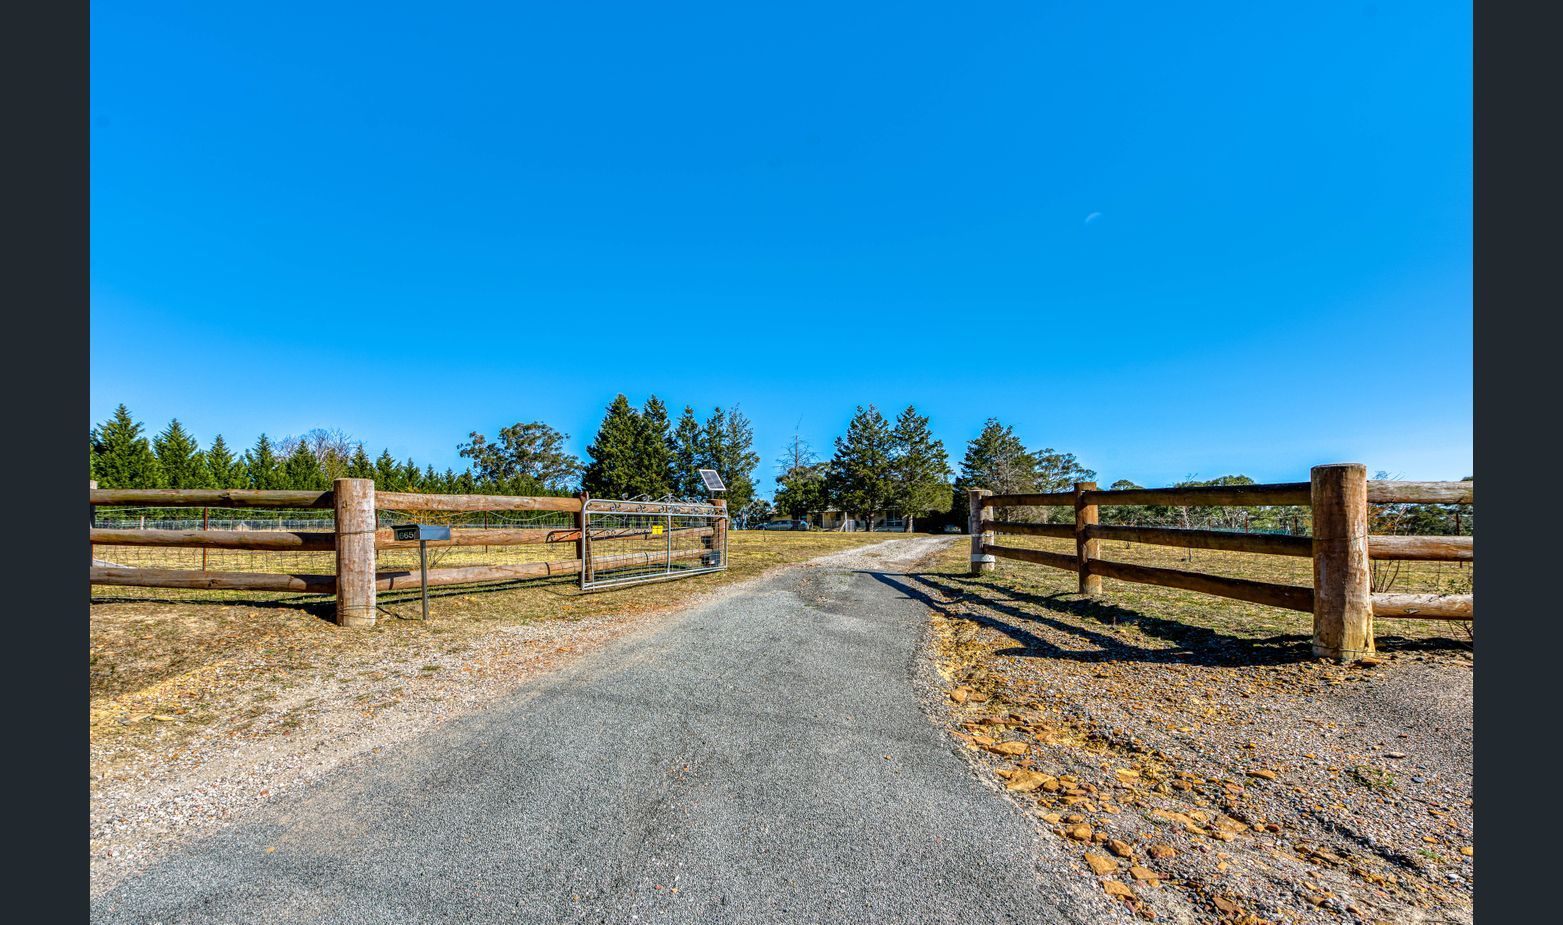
(656, 448)
(359, 467)
(726, 444)
(387, 475)
(301, 470)
(919, 467)
(122, 457)
(411, 476)
(687, 455)
(996, 460)
(614, 471)
(861, 474)
(179, 458)
(225, 469)
(736, 459)
(265, 470)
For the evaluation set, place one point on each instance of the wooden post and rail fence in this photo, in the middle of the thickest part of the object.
(1341, 598)
(355, 537)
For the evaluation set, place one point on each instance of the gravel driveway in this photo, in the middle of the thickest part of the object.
(764, 757)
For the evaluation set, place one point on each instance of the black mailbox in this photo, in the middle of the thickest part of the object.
(423, 533)
(404, 532)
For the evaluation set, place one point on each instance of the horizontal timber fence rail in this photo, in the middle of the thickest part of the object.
(355, 536)
(1341, 597)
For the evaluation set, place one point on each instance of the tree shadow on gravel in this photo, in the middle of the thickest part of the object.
(1189, 644)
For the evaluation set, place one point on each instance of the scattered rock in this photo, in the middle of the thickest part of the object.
(1162, 852)
(1025, 781)
(1144, 874)
(1010, 748)
(1120, 848)
(1120, 890)
(1263, 774)
(1080, 833)
(1100, 864)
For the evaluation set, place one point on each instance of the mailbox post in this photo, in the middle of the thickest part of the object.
(422, 533)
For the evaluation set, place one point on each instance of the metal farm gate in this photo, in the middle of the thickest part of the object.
(632, 542)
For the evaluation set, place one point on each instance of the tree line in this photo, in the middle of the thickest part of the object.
(877, 467)
(122, 456)
(636, 452)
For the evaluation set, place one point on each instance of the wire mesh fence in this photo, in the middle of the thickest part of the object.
(313, 526)
(478, 538)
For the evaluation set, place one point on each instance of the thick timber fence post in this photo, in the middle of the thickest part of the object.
(981, 561)
(353, 500)
(1086, 549)
(1342, 575)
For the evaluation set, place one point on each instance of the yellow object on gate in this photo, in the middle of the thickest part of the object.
(656, 530)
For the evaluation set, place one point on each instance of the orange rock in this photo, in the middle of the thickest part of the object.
(1114, 888)
(1100, 864)
(1024, 781)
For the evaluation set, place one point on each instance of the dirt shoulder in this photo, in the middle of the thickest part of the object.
(206, 705)
(1203, 766)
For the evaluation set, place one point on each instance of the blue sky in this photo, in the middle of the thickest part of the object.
(1172, 239)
